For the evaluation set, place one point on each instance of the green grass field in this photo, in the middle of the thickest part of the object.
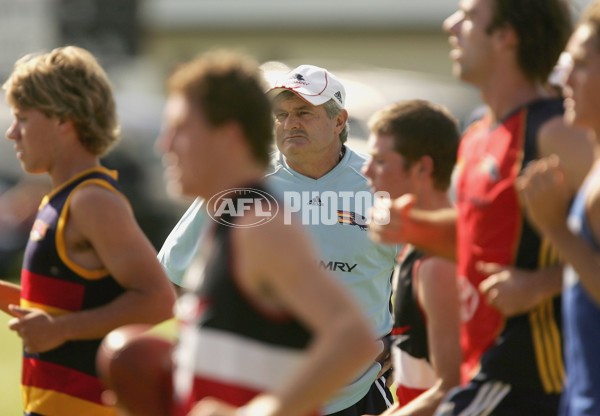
(10, 365)
(10, 370)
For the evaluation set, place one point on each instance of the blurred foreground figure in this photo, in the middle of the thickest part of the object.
(547, 198)
(263, 326)
(320, 180)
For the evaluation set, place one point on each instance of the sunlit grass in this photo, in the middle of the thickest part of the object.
(10, 365)
(10, 370)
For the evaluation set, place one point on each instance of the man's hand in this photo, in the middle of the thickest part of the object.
(38, 329)
(389, 219)
(508, 289)
(259, 406)
(545, 194)
(385, 360)
(212, 407)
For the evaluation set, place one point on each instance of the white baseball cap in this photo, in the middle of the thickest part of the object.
(313, 84)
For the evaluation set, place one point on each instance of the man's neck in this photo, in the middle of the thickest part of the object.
(63, 172)
(433, 199)
(505, 96)
(316, 167)
(236, 177)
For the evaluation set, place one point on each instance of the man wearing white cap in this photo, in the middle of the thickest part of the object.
(310, 131)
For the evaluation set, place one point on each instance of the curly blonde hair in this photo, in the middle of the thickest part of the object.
(68, 83)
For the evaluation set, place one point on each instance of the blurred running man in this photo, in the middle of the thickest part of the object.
(320, 178)
(264, 327)
(547, 198)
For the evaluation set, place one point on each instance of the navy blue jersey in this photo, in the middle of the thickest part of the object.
(524, 351)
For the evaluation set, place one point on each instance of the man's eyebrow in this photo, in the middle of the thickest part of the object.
(295, 108)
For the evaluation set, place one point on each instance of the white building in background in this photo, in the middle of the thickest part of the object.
(387, 49)
(400, 34)
(25, 26)
(305, 14)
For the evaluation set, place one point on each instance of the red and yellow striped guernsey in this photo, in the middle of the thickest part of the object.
(63, 382)
(525, 350)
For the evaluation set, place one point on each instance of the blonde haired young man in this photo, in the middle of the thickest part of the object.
(88, 268)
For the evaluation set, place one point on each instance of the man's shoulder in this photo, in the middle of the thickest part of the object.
(545, 110)
(275, 163)
(356, 161)
(357, 157)
(554, 105)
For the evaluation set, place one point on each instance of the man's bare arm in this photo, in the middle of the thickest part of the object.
(397, 221)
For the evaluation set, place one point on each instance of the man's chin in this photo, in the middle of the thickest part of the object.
(176, 191)
(32, 170)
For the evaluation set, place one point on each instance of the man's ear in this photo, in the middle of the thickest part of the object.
(506, 36)
(67, 126)
(426, 166)
(231, 131)
(341, 120)
(230, 136)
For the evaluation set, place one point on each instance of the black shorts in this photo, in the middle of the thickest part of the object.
(376, 401)
(495, 398)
